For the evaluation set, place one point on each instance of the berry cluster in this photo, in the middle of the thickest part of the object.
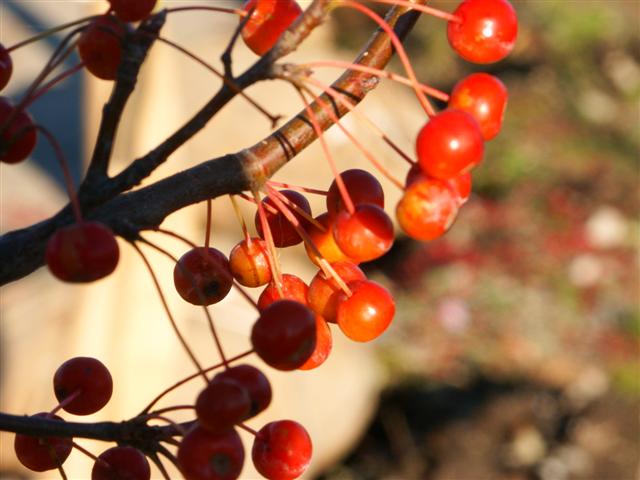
(292, 330)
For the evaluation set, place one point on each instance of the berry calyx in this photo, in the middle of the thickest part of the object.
(249, 263)
(293, 288)
(6, 66)
(222, 404)
(364, 235)
(202, 276)
(40, 454)
(100, 46)
(87, 380)
(82, 252)
(485, 98)
(270, 18)
(367, 313)
(121, 463)
(486, 32)
(132, 10)
(283, 232)
(282, 450)
(253, 381)
(449, 144)
(18, 138)
(284, 336)
(427, 209)
(203, 455)
(362, 188)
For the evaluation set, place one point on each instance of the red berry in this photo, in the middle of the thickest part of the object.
(283, 232)
(460, 185)
(324, 241)
(82, 252)
(202, 276)
(270, 18)
(282, 450)
(100, 46)
(87, 376)
(6, 66)
(364, 235)
(293, 288)
(121, 463)
(19, 138)
(203, 455)
(367, 313)
(427, 209)
(362, 187)
(253, 381)
(485, 98)
(222, 404)
(284, 336)
(323, 291)
(449, 144)
(132, 10)
(324, 343)
(249, 263)
(45, 453)
(487, 31)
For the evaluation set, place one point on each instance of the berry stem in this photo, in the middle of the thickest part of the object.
(50, 84)
(434, 12)
(88, 453)
(271, 248)
(297, 188)
(51, 31)
(168, 311)
(207, 233)
(65, 402)
(238, 213)
(234, 11)
(248, 429)
(177, 426)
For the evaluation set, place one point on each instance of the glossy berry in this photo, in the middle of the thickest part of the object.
(324, 343)
(283, 232)
(6, 66)
(249, 263)
(485, 98)
(323, 290)
(202, 276)
(362, 188)
(270, 18)
(87, 376)
(324, 241)
(18, 138)
(253, 381)
(460, 185)
(82, 252)
(281, 450)
(132, 10)
(42, 454)
(367, 313)
(487, 31)
(100, 46)
(121, 463)
(284, 336)
(222, 404)
(427, 209)
(203, 455)
(449, 144)
(364, 235)
(293, 288)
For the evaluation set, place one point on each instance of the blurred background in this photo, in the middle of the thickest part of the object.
(515, 351)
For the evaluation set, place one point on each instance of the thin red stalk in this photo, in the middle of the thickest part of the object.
(297, 188)
(49, 85)
(207, 233)
(243, 225)
(191, 377)
(51, 31)
(61, 471)
(277, 198)
(271, 247)
(247, 429)
(65, 171)
(434, 12)
(235, 284)
(88, 453)
(66, 401)
(235, 11)
(433, 92)
(269, 208)
(212, 326)
(170, 409)
(300, 211)
(166, 309)
(402, 54)
(365, 151)
(177, 426)
(346, 198)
